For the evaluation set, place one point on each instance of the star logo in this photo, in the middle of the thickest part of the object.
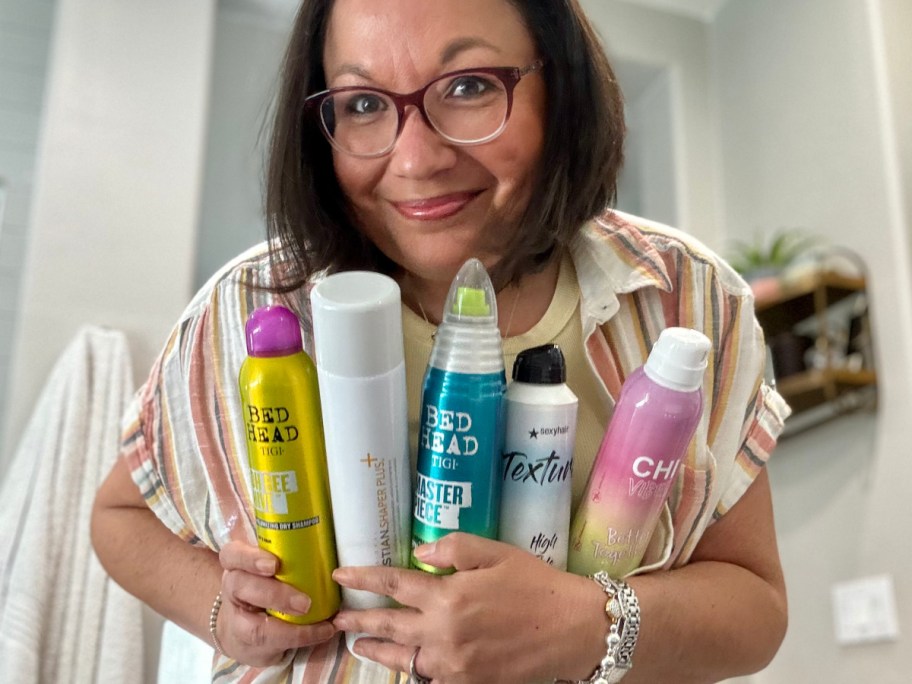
(533, 434)
(369, 460)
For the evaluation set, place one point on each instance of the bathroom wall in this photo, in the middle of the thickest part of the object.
(25, 37)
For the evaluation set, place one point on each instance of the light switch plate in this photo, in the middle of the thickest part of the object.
(864, 610)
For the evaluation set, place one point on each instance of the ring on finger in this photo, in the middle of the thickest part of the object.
(417, 678)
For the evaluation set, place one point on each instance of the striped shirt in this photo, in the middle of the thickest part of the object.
(185, 443)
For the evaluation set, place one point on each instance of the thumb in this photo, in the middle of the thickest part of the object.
(463, 552)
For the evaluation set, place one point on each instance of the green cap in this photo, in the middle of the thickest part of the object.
(470, 301)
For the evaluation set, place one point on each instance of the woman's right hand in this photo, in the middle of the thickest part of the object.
(246, 632)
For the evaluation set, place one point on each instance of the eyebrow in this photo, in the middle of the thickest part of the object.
(453, 49)
(449, 53)
(353, 69)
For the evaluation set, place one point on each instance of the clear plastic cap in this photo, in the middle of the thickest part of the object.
(467, 339)
(357, 320)
(678, 359)
(471, 298)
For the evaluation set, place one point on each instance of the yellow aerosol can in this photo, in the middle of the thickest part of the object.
(288, 474)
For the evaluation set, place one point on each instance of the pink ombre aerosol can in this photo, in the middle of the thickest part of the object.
(655, 418)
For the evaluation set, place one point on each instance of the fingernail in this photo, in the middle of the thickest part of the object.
(266, 565)
(340, 575)
(341, 621)
(425, 550)
(300, 603)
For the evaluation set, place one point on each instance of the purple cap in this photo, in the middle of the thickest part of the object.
(273, 331)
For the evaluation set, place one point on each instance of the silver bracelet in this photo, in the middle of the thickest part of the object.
(623, 611)
(213, 622)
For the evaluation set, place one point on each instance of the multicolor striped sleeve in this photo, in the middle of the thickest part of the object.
(183, 436)
(764, 423)
(747, 414)
(145, 427)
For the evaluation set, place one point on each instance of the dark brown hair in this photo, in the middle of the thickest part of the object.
(309, 222)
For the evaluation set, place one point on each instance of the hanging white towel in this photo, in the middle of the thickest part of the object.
(62, 619)
(183, 658)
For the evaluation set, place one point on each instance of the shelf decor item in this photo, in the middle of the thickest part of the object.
(811, 301)
(763, 261)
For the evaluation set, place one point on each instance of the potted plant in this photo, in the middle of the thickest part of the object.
(762, 262)
(765, 264)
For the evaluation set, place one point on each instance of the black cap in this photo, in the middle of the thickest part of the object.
(542, 365)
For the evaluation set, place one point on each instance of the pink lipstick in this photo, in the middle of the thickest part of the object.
(435, 208)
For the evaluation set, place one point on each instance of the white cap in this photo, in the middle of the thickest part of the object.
(678, 359)
(357, 320)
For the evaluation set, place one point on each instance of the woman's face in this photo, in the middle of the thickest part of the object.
(429, 204)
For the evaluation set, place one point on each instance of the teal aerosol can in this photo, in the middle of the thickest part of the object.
(460, 436)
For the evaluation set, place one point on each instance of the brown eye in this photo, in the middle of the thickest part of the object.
(365, 104)
(470, 86)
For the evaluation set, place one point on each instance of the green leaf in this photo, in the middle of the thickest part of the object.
(773, 251)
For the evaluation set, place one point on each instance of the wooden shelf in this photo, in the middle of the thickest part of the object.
(800, 299)
(811, 388)
(839, 285)
(809, 304)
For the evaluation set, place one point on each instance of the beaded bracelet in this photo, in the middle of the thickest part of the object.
(213, 622)
(623, 611)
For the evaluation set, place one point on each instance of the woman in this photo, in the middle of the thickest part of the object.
(515, 166)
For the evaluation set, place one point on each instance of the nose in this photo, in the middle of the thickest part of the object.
(420, 152)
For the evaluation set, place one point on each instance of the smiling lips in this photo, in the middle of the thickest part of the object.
(435, 208)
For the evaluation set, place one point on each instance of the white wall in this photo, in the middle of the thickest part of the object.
(804, 144)
(116, 197)
(679, 46)
(648, 183)
(650, 151)
(247, 53)
(895, 21)
(25, 30)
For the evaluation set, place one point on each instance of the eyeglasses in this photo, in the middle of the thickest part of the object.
(466, 107)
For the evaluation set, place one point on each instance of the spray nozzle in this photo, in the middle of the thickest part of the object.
(471, 298)
(679, 358)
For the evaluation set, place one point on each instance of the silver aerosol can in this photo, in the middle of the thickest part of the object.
(537, 463)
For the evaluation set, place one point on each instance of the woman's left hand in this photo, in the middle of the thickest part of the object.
(504, 616)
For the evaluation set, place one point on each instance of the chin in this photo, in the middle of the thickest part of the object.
(437, 250)
(437, 256)
(440, 267)
(444, 259)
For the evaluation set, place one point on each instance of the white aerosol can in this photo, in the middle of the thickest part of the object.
(537, 461)
(357, 319)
